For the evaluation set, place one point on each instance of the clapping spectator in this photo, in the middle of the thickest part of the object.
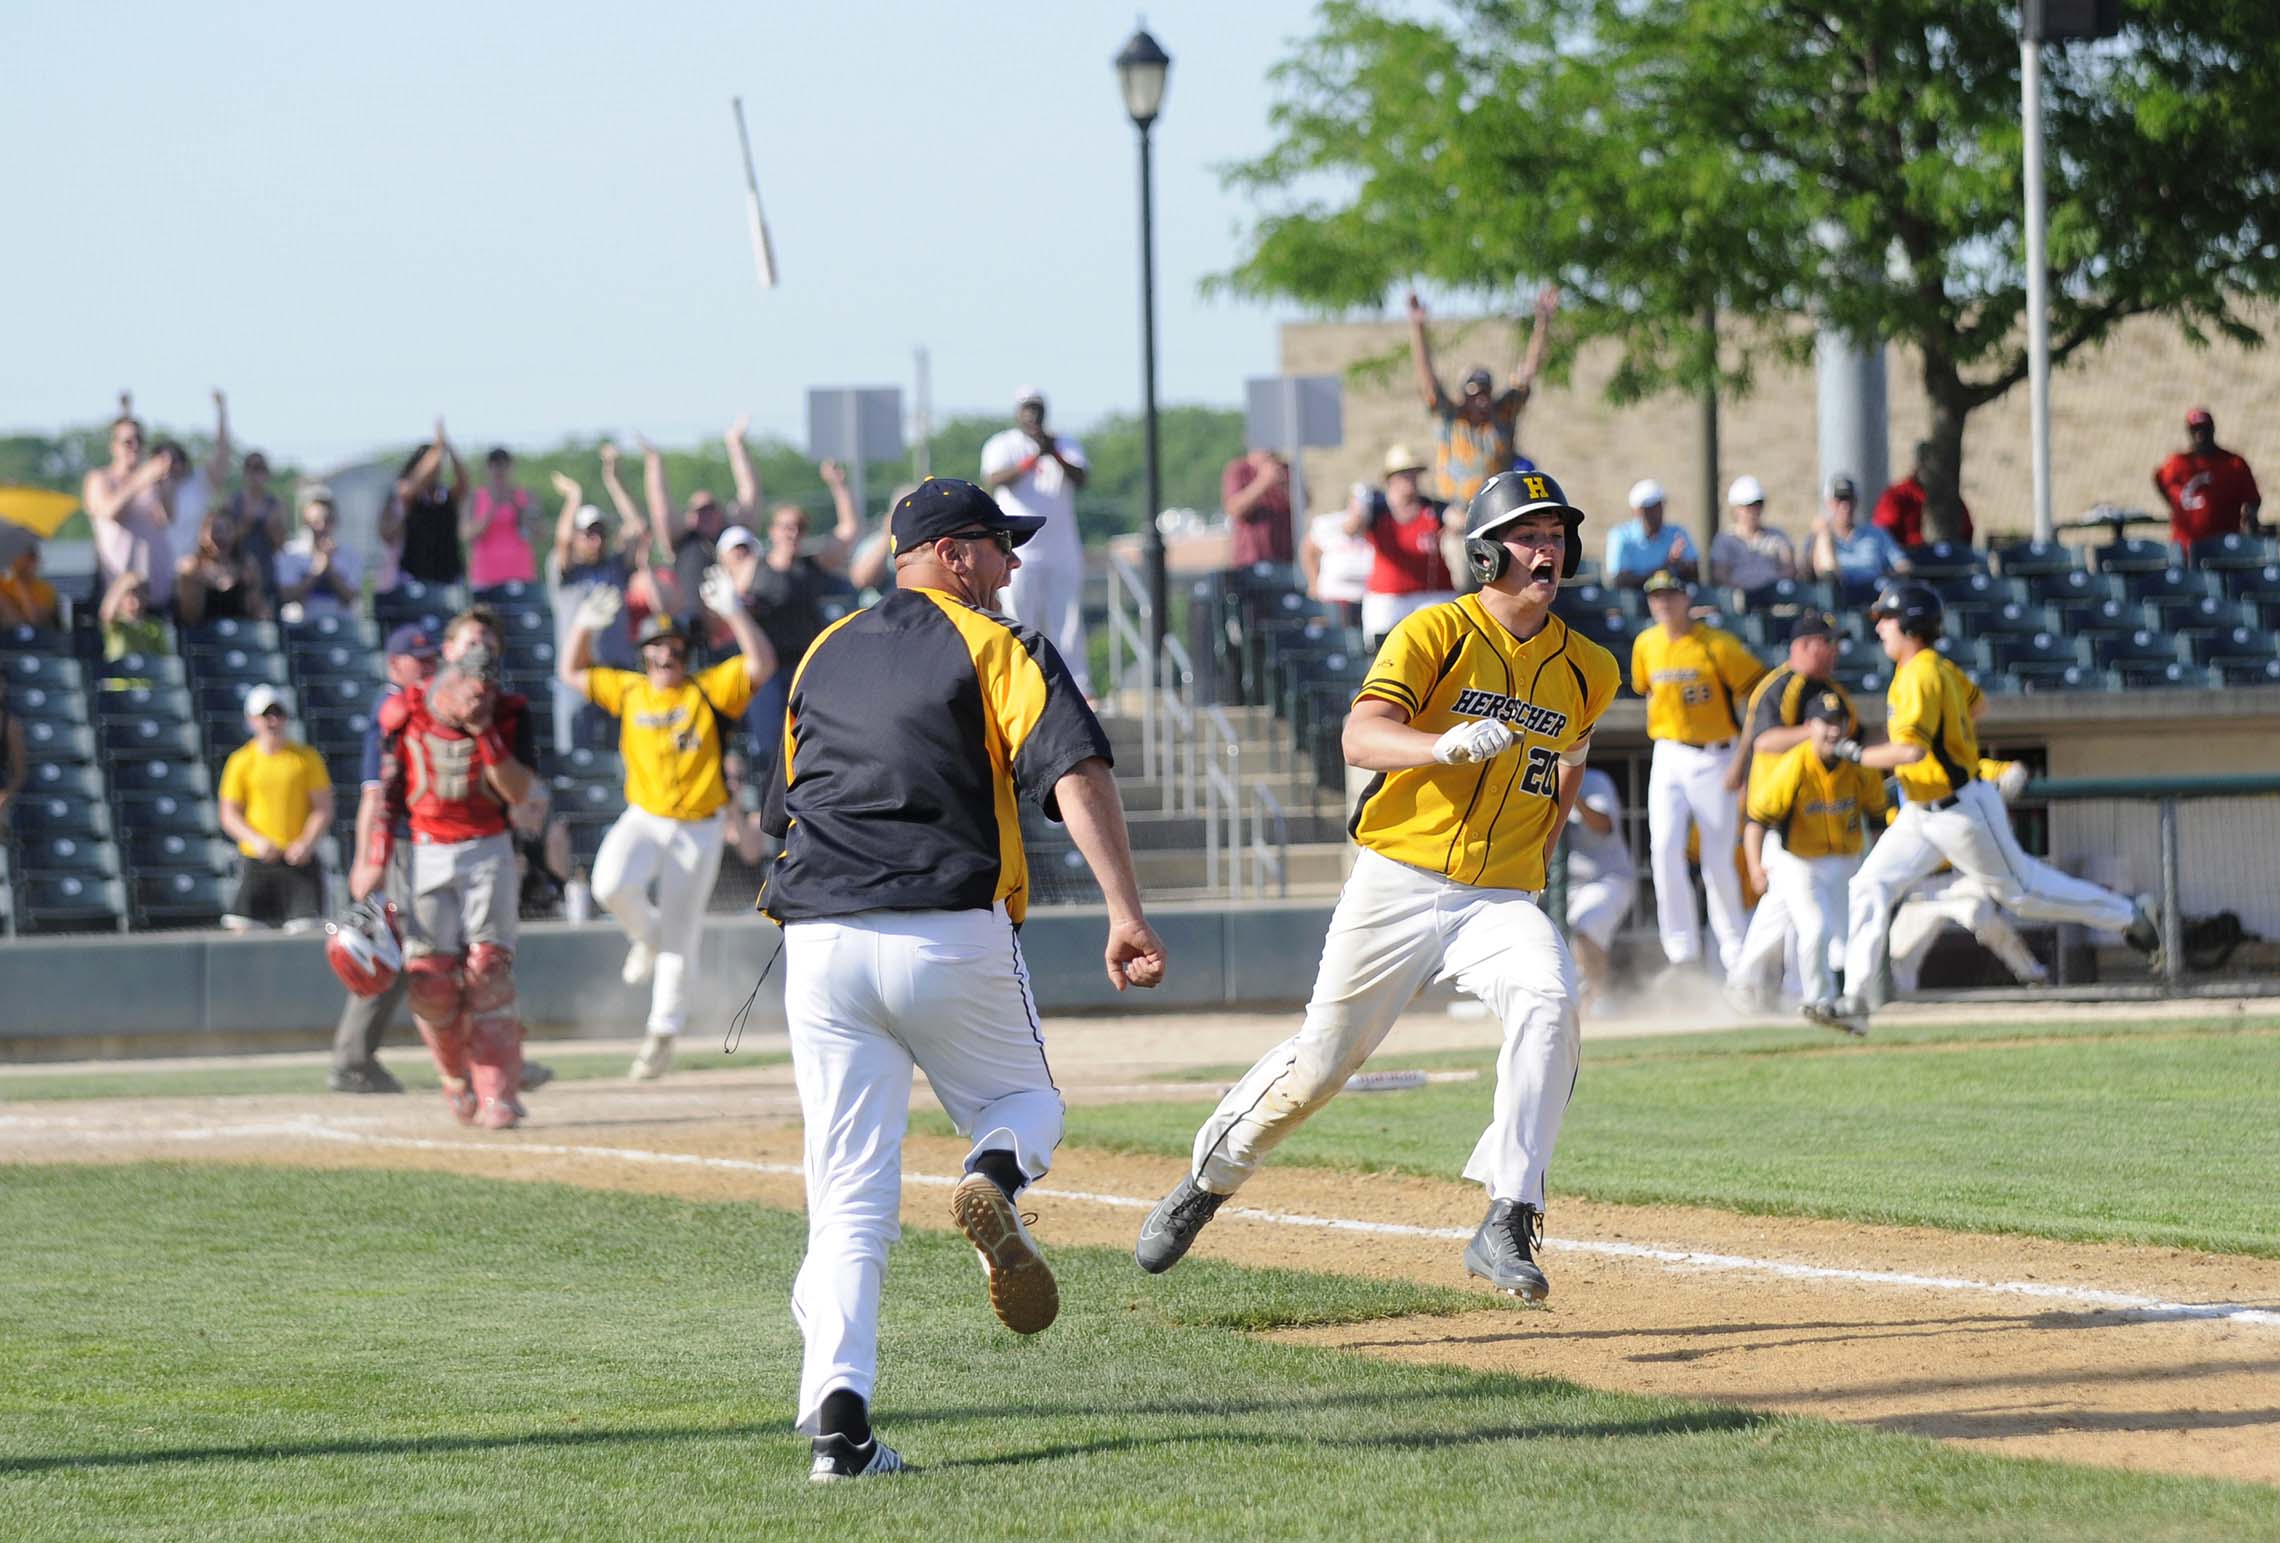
(26, 599)
(693, 537)
(492, 530)
(1404, 529)
(216, 580)
(1900, 508)
(255, 507)
(421, 522)
(2209, 491)
(783, 589)
(1647, 544)
(584, 559)
(277, 803)
(1748, 554)
(1846, 550)
(130, 627)
(132, 525)
(316, 574)
(1254, 489)
(1477, 432)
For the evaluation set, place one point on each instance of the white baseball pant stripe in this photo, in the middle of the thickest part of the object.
(683, 856)
(1596, 907)
(1395, 930)
(1687, 786)
(1807, 897)
(867, 997)
(1047, 592)
(1974, 836)
(1951, 900)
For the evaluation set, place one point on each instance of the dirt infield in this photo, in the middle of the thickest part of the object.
(2131, 1357)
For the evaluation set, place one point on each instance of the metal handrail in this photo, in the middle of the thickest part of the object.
(1266, 862)
(1175, 700)
(1223, 799)
(1128, 632)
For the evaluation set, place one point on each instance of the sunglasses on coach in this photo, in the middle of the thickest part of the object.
(1002, 539)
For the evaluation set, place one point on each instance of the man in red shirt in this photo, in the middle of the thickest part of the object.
(1404, 527)
(2210, 491)
(449, 769)
(1900, 508)
(1255, 491)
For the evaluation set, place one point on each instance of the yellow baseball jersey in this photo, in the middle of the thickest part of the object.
(275, 791)
(1930, 704)
(1485, 823)
(1778, 702)
(670, 740)
(1692, 682)
(1816, 808)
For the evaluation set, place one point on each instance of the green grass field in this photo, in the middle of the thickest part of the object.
(409, 1063)
(246, 1353)
(2085, 1132)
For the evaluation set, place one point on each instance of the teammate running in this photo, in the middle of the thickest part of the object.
(449, 771)
(1692, 676)
(1477, 717)
(1951, 814)
(916, 728)
(1949, 899)
(669, 736)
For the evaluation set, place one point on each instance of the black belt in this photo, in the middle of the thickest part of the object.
(1724, 744)
(1949, 802)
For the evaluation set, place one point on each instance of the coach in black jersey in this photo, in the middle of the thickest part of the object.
(915, 729)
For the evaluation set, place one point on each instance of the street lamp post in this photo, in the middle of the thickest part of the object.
(1141, 70)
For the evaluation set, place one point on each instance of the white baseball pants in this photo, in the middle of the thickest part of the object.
(683, 856)
(1804, 896)
(1596, 908)
(1396, 929)
(1048, 592)
(1951, 900)
(1973, 834)
(866, 998)
(1687, 786)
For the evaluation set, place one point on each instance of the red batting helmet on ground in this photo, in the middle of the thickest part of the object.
(364, 947)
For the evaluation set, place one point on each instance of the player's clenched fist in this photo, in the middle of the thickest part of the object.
(1135, 954)
(1480, 740)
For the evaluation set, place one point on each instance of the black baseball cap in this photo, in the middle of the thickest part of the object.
(412, 640)
(1828, 707)
(1812, 624)
(1479, 380)
(1842, 487)
(659, 628)
(946, 506)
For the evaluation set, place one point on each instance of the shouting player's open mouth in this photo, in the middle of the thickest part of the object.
(1545, 571)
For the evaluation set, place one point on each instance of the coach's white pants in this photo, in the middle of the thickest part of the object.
(1047, 592)
(1804, 896)
(1974, 836)
(1951, 900)
(1396, 929)
(1596, 907)
(683, 856)
(866, 997)
(1687, 786)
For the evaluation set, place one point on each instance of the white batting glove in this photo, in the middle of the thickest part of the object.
(598, 609)
(718, 591)
(2013, 782)
(1848, 750)
(1480, 740)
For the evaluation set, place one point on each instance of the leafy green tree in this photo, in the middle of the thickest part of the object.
(1860, 162)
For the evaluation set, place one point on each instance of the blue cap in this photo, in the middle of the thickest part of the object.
(412, 639)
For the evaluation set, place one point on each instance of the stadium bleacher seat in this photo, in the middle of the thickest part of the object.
(2186, 613)
(69, 852)
(33, 811)
(32, 640)
(2132, 556)
(148, 736)
(153, 851)
(182, 779)
(190, 815)
(2074, 586)
(69, 902)
(2168, 584)
(2032, 559)
(232, 663)
(48, 741)
(353, 631)
(2237, 645)
(2009, 619)
(2046, 650)
(2234, 550)
(2070, 677)
(217, 701)
(2251, 583)
(2143, 648)
(2152, 676)
(230, 634)
(64, 779)
(158, 669)
(47, 704)
(319, 658)
(1942, 560)
(1848, 595)
(2244, 672)
(180, 897)
(54, 672)
(171, 703)
(2103, 616)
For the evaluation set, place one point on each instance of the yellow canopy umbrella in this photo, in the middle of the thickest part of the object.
(39, 510)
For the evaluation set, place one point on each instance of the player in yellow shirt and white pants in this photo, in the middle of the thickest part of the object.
(1815, 802)
(1477, 717)
(1951, 813)
(670, 737)
(1694, 677)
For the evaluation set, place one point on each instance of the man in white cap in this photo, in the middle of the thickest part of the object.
(1036, 472)
(277, 803)
(1647, 544)
(585, 559)
(1747, 554)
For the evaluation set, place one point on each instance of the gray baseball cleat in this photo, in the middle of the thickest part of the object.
(1847, 1015)
(838, 1458)
(1170, 1230)
(1503, 1253)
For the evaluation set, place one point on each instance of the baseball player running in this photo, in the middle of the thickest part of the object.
(1949, 899)
(1951, 813)
(1476, 716)
(669, 736)
(915, 729)
(1600, 877)
(450, 773)
(1692, 675)
(1815, 801)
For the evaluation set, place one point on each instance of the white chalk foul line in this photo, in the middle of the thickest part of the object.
(2128, 1304)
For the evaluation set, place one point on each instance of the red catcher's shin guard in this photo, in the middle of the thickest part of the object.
(495, 1025)
(437, 992)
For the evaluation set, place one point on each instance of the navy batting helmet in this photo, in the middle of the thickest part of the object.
(1505, 498)
(1917, 606)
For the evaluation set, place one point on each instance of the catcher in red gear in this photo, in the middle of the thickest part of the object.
(449, 768)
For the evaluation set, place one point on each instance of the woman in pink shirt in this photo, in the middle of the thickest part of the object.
(497, 550)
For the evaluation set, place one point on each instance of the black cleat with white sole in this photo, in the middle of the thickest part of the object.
(1171, 1229)
(838, 1458)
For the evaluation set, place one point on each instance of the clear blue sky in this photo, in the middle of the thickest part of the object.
(530, 217)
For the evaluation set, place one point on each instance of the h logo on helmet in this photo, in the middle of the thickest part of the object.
(1535, 485)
